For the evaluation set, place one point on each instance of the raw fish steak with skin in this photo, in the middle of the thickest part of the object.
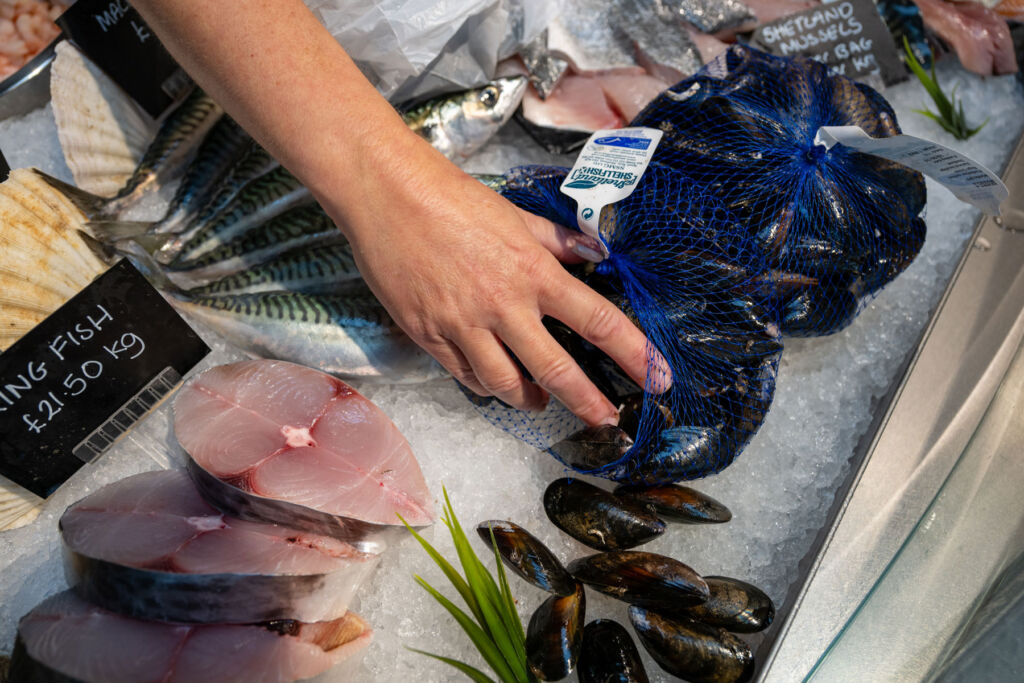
(979, 36)
(150, 547)
(277, 442)
(629, 93)
(576, 103)
(66, 638)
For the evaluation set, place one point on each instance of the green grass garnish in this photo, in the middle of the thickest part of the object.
(492, 624)
(951, 112)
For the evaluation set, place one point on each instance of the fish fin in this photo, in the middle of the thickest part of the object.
(112, 231)
(103, 251)
(149, 268)
(93, 206)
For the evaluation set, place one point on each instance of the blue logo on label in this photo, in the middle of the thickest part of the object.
(619, 141)
(587, 213)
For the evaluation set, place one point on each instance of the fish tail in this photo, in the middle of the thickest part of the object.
(93, 206)
(114, 231)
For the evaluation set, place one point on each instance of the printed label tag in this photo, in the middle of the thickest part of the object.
(968, 180)
(608, 169)
(82, 377)
(114, 36)
(847, 36)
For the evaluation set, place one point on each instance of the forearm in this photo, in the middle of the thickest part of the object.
(285, 79)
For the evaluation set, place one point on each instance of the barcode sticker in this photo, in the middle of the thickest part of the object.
(102, 438)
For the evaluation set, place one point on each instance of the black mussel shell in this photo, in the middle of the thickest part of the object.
(632, 410)
(609, 655)
(677, 503)
(734, 605)
(689, 649)
(555, 634)
(525, 555)
(593, 448)
(597, 518)
(641, 578)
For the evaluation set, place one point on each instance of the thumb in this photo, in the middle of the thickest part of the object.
(568, 246)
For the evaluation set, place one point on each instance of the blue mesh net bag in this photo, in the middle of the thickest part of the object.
(684, 269)
(835, 225)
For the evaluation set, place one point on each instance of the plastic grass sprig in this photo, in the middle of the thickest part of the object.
(492, 624)
(951, 112)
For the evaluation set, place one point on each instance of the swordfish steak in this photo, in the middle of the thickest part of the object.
(275, 442)
(66, 638)
(149, 546)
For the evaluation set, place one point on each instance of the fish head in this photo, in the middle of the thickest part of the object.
(482, 111)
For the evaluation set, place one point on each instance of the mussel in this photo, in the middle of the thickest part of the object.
(555, 634)
(689, 649)
(641, 578)
(598, 518)
(677, 503)
(609, 655)
(593, 448)
(734, 605)
(525, 555)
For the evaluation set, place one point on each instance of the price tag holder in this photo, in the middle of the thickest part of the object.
(82, 377)
(114, 36)
(847, 36)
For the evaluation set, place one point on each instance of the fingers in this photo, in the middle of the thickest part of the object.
(555, 370)
(454, 361)
(568, 246)
(497, 373)
(602, 324)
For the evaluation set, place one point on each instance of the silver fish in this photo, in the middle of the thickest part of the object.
(324, 269)
(219, 151)
(458, 125)
(258, 201)
(583, 34)
(350, 337)
(301, 227)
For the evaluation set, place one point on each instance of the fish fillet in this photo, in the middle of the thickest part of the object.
(770, 10)
(979, 36)
(69, 636)
(273, 441)
(627, 94)
(149, 546)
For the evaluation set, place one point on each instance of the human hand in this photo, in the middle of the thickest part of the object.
(469, 277)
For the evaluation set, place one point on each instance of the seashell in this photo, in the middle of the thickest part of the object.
(641, 578)
(609, 655)
(525, 555)
(689, 649)
(677, 503)
(734, 605)
(43, 263)
(597, 518)
(555, 634)
(593, 447)
(102, 132)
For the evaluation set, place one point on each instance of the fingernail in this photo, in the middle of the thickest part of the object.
(586, 247)
(611, 420)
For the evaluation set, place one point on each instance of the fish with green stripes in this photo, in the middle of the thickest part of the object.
(218, 153)
(348, 335)
(324, 269)
(183, 129)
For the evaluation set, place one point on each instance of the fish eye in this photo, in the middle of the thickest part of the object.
(489, 96)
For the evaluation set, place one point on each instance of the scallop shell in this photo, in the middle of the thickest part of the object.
(102, 132)
(43, 263)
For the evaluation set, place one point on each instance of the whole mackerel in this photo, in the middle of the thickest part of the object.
(325, 269)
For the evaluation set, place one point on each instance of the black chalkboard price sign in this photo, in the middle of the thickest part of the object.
(5, 168)
(114, 36)
(848, 36)
(82, 377)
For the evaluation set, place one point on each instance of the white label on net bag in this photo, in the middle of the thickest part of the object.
(967, 179)
(608, 169)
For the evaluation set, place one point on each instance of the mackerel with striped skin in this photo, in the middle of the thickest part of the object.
(302, 227)
(351, 337)
(325, 269)
(219, 151)
(258, 201)
(180, 131)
